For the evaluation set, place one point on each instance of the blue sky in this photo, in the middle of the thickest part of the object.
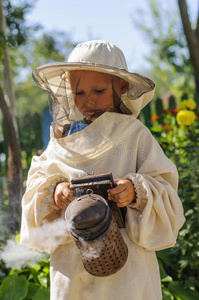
(110, 20)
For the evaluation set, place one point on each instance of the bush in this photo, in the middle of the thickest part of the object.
(179, 138)
(30, 282)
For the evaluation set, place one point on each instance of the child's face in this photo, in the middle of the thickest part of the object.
(93, 92)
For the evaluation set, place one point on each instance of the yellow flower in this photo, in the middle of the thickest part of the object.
(183, 104)
(191, 104)
(185, 117)
(188, 104)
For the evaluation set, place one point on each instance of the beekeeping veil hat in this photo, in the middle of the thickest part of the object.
(99, 56)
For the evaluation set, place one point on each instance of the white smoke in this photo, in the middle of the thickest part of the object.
(92, 250)
(17, 256)
(49, 236)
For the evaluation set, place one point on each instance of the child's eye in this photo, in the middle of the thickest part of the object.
(100, 91)
(78, 93)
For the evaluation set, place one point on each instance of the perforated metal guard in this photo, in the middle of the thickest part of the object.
(106, 255)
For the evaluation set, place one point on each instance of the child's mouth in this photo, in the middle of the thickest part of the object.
(91, 111)
(94, 113)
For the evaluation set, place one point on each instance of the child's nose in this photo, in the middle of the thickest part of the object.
(90, 99)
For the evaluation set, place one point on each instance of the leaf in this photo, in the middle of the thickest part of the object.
(32, 289)
(166, 295)
(179, 291)
(183, 263)
(42, 280)
(14, 287)
(17, 238)
(164, 276)
(190, 282)
(43, 294)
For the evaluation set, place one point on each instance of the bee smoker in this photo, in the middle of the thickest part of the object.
(96, 234)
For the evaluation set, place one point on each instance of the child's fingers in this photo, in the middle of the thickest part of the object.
(123, 194)
(63, 195)
(121, 198)
(123, 204)
(68, 194)
(117, 190)
(117, 194)
(63, 202)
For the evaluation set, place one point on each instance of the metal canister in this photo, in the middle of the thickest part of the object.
(96, 234)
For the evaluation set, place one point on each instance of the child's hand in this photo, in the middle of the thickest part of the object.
(63, 195)
(123, 194)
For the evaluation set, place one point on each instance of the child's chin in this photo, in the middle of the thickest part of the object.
(95, 115)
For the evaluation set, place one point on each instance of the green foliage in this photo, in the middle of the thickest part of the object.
(30, 283)
(171, 67)
(29, 47)
(14, 287)
(2, 45)
(44, 48)
(17, 30)
(179, 266)
(31, 140)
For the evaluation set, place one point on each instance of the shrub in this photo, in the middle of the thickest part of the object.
(30, 282)
(179, 138)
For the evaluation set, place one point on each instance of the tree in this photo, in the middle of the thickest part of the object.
(46, 47)
(13, 32)
(8, 108)
(14, 167)
(7, 69)
(26, 53)
(171, 66)
(192, 37)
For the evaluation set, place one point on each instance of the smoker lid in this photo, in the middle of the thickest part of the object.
(89, 216)
(86, 213)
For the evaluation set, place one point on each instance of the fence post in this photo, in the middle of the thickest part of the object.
(172, 103)
(147, 115)
(158, 106)
(184, 97)
(196, 98)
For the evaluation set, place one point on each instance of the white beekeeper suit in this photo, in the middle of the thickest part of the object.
(116, 143)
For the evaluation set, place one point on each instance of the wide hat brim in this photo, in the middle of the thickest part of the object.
(140, 87)
(54, 72)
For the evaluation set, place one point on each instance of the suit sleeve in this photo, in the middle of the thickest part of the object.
(43, 226)
(154, 220)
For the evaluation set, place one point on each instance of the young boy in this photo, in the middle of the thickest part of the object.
(94, 104)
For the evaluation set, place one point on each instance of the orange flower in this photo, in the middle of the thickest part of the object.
(165, 111)
(176, 110)
(166, 127)
(154, 118)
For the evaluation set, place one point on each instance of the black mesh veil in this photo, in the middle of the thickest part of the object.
(61, 104)
(53, 78)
